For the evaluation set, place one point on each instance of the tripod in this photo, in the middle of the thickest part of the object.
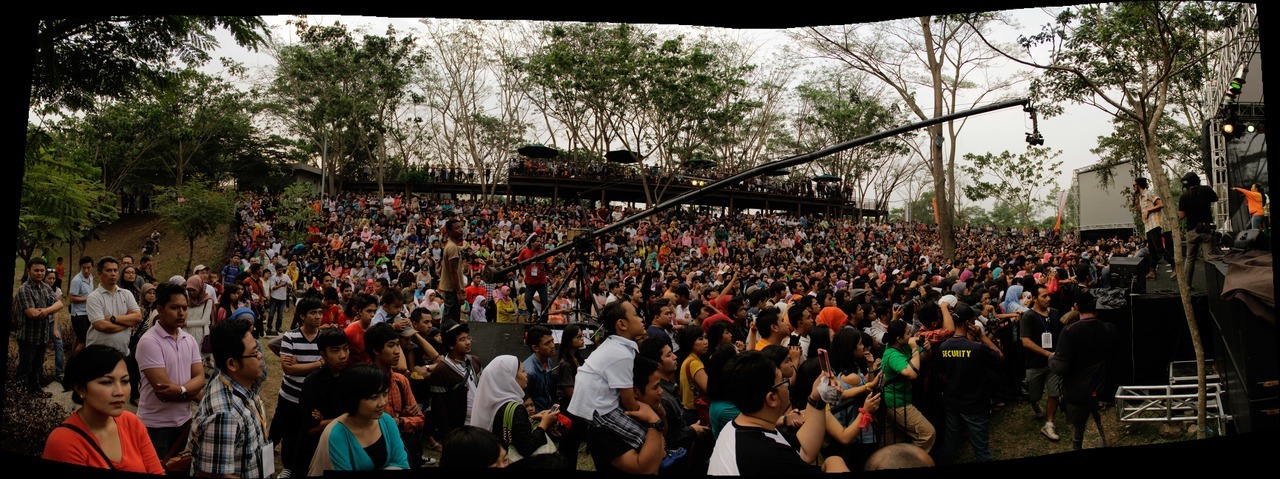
(577, 274)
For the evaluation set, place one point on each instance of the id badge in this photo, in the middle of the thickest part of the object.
(1046, 340)
(268, 459)
(533, 271)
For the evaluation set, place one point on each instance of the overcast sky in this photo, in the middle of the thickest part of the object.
(1075, 132)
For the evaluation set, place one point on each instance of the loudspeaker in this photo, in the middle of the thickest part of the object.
(1245, 352)
(1129, 272)
(1252, 239)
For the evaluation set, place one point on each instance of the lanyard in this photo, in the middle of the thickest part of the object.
(257, 406)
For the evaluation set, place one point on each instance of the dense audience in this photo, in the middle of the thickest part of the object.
(721, 344)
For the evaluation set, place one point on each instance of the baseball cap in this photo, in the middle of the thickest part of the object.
(200, 268)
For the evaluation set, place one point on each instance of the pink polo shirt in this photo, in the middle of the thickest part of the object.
(175, 354)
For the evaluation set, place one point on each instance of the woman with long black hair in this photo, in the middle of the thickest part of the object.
(858, 379)
(570, 359)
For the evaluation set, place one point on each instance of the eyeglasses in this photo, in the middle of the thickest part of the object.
(257, 353)
(785, 382)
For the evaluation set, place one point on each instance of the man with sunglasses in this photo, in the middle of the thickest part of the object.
(228, 433)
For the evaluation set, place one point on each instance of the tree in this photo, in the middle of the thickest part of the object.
(294, 214)
(386, 64)
(835, 109)
(938, 55)
(196, 209)
(921, 209)
(313, 93)
(62, 200)
(1128, 59)
(81, 60)
(761, 133)
(620, 86)
(456, 84)
(975, 215)
(1014, 181)
(200, 118)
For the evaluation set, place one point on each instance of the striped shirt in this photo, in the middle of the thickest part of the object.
(228, 432)
(296, 344)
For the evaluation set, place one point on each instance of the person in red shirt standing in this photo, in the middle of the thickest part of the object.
(535, 274)
(366, 305)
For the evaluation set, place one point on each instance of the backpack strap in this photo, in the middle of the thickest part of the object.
(89, 439)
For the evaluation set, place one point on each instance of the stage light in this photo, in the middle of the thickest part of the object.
(1250, 128)
(1231, 126)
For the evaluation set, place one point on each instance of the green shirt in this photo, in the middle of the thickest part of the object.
(897, 389)
(721, 413)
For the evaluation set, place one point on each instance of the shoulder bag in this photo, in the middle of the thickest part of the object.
(513, 455)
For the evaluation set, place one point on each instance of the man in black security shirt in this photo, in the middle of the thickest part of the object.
(967, 361)
(1081, 359)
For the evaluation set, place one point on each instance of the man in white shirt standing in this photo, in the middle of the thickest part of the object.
(278, 288)
(113, 311)
(81, 286)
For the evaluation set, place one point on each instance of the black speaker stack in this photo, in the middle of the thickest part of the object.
(1246, 356)
(1129, 273)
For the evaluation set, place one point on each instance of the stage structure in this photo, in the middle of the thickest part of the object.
(1233, 93)
(1104, 209)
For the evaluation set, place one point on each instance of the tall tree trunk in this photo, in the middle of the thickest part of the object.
(181, 164)
(382, 163)
(1155, 166)
(946, 228)
(191, 251)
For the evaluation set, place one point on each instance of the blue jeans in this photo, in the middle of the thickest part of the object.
(978, 435)
(57, 349)
(1255, 222)
(275, 315)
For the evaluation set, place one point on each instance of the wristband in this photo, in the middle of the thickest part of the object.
(864, 418)
(817, 404)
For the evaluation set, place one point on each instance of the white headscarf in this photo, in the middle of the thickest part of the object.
(497, 387)
(478, 310)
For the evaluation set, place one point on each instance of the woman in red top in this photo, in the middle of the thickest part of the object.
(102, 433)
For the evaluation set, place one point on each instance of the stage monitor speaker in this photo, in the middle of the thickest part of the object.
(1129, 272)
(1252, 239)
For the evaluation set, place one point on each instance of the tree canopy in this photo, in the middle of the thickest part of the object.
(81, 60)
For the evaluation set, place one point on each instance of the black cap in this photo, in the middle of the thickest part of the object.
(1190, 179)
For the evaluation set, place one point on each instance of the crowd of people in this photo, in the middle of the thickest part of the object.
(788, 185)
(718, 344)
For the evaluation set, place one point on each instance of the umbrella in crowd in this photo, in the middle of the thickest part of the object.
(622, 156)
(536, 150)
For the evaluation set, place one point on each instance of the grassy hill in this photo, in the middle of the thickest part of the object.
(127, 237)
